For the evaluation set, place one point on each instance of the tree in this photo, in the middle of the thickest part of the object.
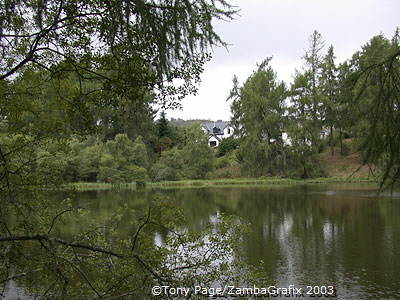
(164, 134)
(89, 163)
(345, 114)
(376, 96)
(329, 85)
(139, 153)
(163, 126)
(236, 111)
(134, 118)
(123, 160)
(307, 111)
(114, 53)
(170, 166)
(197, 156)
(313, 60)
(165, 28)
(227, 145)
(260, 105)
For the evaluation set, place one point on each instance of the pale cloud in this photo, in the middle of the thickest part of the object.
(280, 28)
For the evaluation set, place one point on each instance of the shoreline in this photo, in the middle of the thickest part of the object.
(195, 183)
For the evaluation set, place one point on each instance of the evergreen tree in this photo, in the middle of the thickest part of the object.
(329, 86)
(313, 63)
(307, 112)
(163, 126)
(236, 111)
(260, 105)
(376, 97)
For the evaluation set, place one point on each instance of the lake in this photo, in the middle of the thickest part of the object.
(340, 235)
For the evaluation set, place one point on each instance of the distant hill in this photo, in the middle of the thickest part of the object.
(186, 123)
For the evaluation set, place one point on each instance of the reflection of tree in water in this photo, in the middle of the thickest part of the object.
(310, 235)
(303, 234)
(150, 230)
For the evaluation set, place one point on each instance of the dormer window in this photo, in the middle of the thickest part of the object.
(216, 130)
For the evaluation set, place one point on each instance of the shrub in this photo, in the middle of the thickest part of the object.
(227, 145)
(137, 174)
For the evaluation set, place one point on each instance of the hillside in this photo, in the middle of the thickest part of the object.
(344, 165)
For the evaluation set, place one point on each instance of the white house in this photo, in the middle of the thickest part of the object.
(217, 131)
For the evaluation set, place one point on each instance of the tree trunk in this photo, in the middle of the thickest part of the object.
(331, 141)
(341, 140)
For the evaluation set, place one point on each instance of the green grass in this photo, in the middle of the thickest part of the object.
(257, 181)
(88, 186)
(85, 186)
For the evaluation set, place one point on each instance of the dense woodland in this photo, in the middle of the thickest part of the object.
(79, 83)
(326, 104)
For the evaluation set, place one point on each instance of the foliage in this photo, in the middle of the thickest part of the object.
(221, 162)
(99, 67)
(164, 143)
(123, 160)
(169, 167)
(131, 34)
(236, 111)
(227, 145)
(163, 126)
(197, 156)
(260, 105)
(137, 174)
(79, 67)
(377, 102)
(330, 107)
(104, 262)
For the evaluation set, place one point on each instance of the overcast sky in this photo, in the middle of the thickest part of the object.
(281, 28)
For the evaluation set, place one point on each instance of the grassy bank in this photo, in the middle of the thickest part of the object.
(257, 181)
(220, 182)
(89, 186)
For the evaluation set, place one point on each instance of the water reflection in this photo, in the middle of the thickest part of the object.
(340, 235)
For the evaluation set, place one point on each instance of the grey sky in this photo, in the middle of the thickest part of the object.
(281, 28)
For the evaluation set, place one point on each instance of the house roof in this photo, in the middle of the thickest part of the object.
(209, 126)
(215, 136)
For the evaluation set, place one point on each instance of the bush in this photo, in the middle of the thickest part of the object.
(303, 163)
(221, 162)
(169, 167)
(161, 172)
(227, 145)
(197, 156)
(137, 174)
(230, 171)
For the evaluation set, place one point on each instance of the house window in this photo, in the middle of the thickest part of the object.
(213, 143)
(216, 130)
(229, 131)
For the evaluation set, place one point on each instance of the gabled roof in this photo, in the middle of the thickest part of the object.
(209, 126)
(215, 136)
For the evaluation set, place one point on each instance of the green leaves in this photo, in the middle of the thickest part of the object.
(122, 160)
(376, 95)
(197, 156)
(259, 110)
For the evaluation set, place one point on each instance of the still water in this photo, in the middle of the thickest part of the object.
(345, 236)
(310, 235)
